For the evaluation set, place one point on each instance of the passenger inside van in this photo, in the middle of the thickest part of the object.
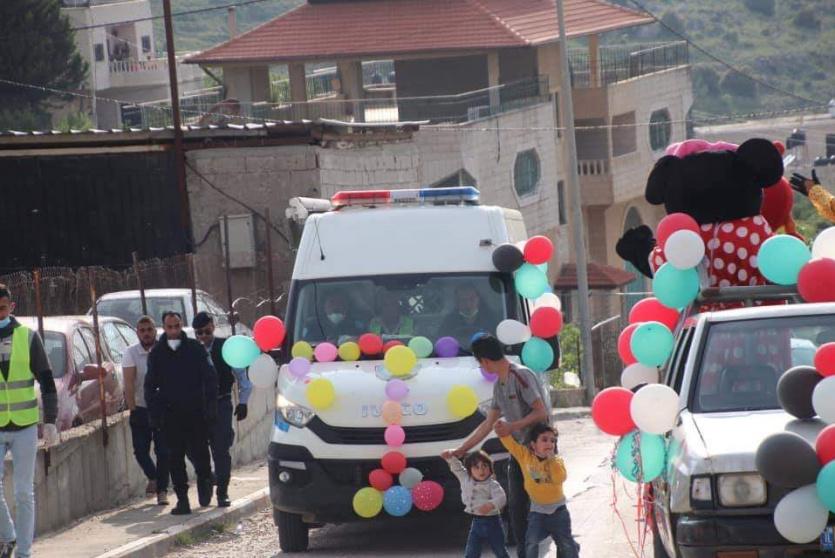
(390, 320)
(471, 315)
(334, 322)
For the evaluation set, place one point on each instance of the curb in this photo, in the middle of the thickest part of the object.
(158, 545)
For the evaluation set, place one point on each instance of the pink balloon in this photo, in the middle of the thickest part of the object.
(299, 367)
(395, 435)
(396, 389)
(325, 352)
(427, 495)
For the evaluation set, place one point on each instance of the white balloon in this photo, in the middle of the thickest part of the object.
(512, 332)
(637, 374)
(548, 300)
(824, 245)
(800, 516)
(823, 399)
(263, 372)
(654, 408)
(684, 249)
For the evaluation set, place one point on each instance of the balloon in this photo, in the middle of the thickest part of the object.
(299, 367)
(546, 322)
(320, 393)
(637, 374)
(462, 401)
(787, 460)
(370, 344)
(684, 249)
(548, 300)
(392, 412)
(652, 343)
(394, 462)
(349, 351)
(489, 376)
(447, 347)
(823, 399)
(325, 352)
(675, 288)
(537, 354)
(824, 244)
(507, 258)
(654, 408)
(380, 479)
(396, 390)
(393, 343)
(825, 445)
(240, 351)
(394, 435)
(800, 516)
(400, 360)
(651, 310)
(263, 372)
(610, 411)
(512, 332)
(397, 501)
(672, 223)
(815, 280)
(421, 346)
(825, 358)
(302, 349)
(410, 477)
(826, 486)
(625, 344)
(530, 281)
(538, 250)
(427, 495)
(644, 462)
(781, 257)
(367, 502)
(268, 332)
(794, 391)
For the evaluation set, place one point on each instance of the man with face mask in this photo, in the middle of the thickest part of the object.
(335, 325)
(470, 316)
(181, 394)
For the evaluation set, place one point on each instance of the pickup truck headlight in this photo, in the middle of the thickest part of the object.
(742, 489)
(297, 415)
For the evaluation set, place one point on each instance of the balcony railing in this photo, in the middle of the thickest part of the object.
(593, 167)
(616, 64)
(131, 65)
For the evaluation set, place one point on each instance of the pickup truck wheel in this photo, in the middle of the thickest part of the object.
(292, 531)
(658, 550)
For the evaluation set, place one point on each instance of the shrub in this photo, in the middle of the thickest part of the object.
(764, 7)
(806, 19)
(734, 83)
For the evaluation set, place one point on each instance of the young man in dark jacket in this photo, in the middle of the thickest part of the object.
(181, 394)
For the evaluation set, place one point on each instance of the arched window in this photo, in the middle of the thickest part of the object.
(660, 129)
(526, 172)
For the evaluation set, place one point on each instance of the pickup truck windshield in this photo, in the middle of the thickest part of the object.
(402, 306)
(742, 360)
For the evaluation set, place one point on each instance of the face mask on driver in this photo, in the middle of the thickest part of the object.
(468, 314)
(174, 343)
(5, 321)
(336, 317)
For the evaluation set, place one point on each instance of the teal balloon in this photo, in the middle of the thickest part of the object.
(239, 351)
(675, 288)
(781, 257)
(640, 456)
(543, 267)
(826, 486)
(531, 282)
(421, 346)
(652, 343)
(537, 354)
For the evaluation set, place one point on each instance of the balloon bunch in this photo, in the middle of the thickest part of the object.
(371, 345)
(529, 265)
(787, 460)
(676, 283)
(786, 260)
(242, 351)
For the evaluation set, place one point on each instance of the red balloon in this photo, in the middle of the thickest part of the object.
(825, 359)
(538, 250)
(546, 322)
(610, 411)
(370, 344)
(674, 222)
(390, 344)
(394, 462)
(825, 444)
(380, 479)
(427, 495)
(268, 332)
(625, 345)
(651, 310)
(815, 280)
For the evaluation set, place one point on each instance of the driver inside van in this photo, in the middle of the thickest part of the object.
(470, 316)
(334, 322)
(390, 320)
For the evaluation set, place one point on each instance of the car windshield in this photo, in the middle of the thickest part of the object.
(55, 345)
(742, 360)
(401, 307)
(130, 309)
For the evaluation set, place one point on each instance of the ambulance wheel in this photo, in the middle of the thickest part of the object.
(292, 531)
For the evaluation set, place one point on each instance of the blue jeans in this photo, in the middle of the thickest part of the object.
(222, 438)
(486, 528)
(142, 435)
(24, 447)
(558, 525)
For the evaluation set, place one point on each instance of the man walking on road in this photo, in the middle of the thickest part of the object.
(223, 436)
(135, 367)
(181, 393)
(22, 361)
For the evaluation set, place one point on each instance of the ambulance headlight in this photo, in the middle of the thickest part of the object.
(297, 415)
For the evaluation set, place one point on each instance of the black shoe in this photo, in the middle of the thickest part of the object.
(223, 500)
(182, 507)
(7, 549)
(204, 492)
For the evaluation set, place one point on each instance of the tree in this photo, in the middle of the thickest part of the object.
(37, 47)
(765, 7)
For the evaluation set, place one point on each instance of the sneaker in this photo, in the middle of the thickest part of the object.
(162, 498)
(7, 549)
(151, 488)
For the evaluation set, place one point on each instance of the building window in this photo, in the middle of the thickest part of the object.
(660, 129)
(623, 134)
(146, 44)
(561, 202)
(98, 51)
(526, 172)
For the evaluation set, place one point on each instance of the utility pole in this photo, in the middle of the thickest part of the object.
(567, 107)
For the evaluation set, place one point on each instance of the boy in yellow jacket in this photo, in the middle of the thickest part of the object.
(544, 474)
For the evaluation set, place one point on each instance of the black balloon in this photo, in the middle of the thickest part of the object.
(508, 258)
(794, 391)
(787, 460)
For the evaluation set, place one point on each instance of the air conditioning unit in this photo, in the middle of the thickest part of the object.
(481, 111)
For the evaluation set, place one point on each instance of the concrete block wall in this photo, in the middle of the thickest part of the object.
(384, 166)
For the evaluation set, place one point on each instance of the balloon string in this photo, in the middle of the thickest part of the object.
(641, 506)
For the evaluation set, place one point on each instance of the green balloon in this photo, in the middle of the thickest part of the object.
(645, 462)
(781, 257)
(530, 281)
(826, 486)
(421, 346)
(675, 288)
(537, 354)
(652, 343)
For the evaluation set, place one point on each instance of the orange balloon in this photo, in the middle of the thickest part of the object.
(392, 412)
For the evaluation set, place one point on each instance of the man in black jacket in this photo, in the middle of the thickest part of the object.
(181, 394)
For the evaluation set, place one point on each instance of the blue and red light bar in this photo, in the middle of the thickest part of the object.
(460, 194)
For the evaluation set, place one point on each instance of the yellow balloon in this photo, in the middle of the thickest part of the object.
(302, 349)
(462, 401)
(320, 393)
(400, 360)
(349, 351)
(368, 502)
